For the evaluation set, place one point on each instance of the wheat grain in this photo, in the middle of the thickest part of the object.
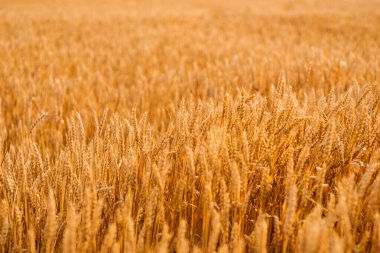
(220, 124)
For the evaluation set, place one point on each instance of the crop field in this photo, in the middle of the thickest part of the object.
(190, 126)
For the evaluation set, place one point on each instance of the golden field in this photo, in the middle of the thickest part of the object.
(189, 126)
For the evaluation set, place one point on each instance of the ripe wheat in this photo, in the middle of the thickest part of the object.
(189, 126)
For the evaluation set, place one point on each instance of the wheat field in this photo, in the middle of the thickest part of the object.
(189, 126)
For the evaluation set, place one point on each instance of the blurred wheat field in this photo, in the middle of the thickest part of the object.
(189, 126)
